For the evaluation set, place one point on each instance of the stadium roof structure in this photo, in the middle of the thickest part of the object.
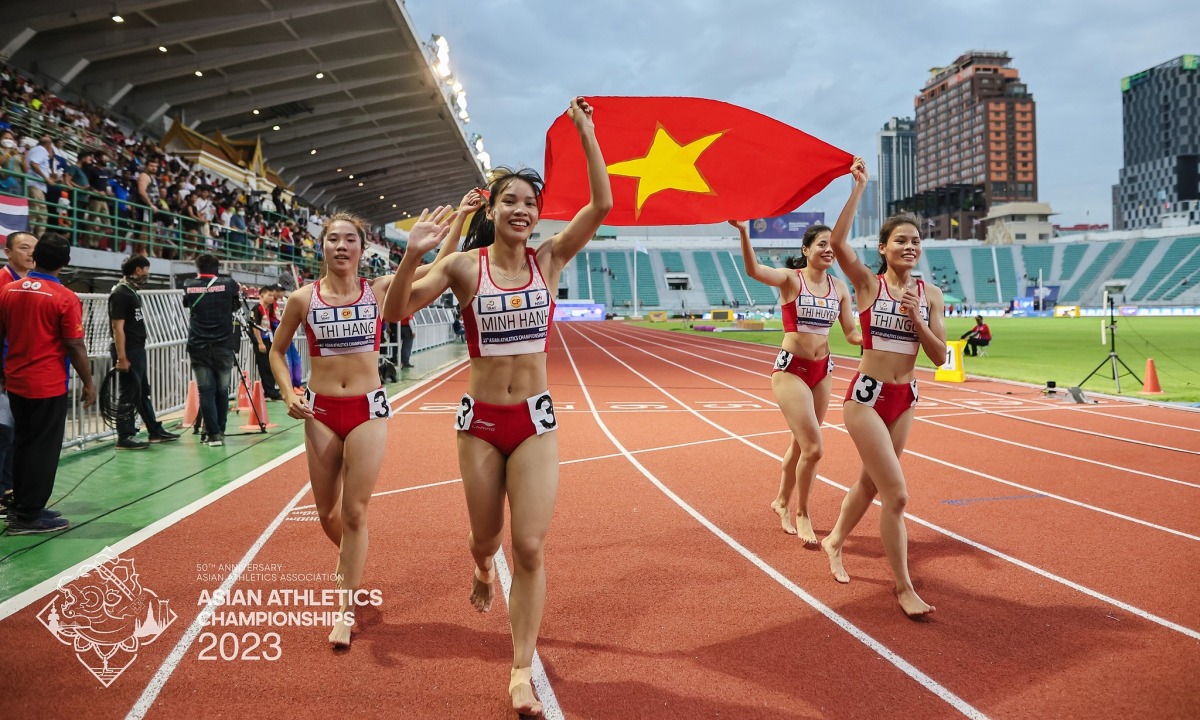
(348, 79)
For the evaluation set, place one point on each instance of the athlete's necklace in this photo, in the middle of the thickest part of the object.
(506, 276)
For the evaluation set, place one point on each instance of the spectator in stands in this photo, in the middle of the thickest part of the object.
(40, 162)
(237, 233)
(211, 300)
(11, 165)
(265, 320)
(978, 336)
(812, 301)
(40, 319)
(128, 351)
(99, 203)
(148, 197)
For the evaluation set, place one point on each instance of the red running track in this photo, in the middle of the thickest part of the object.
(1059, 544)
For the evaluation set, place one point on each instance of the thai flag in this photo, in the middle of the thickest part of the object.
(14, 216)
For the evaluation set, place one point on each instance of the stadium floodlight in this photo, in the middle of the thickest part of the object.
(162, 48)
(312, 152)
(116, 17)
(360, 183)
(441, 50)
(380, 197)
(320, 75)
(199, 74)
(255, 111)
(274, 127)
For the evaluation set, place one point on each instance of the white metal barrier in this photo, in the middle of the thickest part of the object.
(167, 359)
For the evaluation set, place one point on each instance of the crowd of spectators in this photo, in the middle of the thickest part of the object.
(113, 189)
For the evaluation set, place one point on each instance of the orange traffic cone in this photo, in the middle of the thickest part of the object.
(191, 406)
(260, 406)
(1151, 386)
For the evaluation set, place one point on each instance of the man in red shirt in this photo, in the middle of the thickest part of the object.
(978, 336)
(42, 322)
(19, 248)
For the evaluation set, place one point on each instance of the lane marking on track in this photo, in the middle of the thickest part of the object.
(993, 438)
(854, 631)
(1119, 403)
(23, 599)
(610, 456)
(969, 409)
(541, 682)
(1146, 615)
(156, 684)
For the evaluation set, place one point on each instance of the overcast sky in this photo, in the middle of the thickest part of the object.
(837, 70)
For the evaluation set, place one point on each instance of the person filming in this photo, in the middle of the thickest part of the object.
(211, 300)
(977, 337)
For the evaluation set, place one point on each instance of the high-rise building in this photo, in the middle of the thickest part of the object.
(867, 217)
(976, 143)
(896, 145)
(1160, 183)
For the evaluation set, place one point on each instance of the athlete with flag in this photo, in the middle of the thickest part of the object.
(506, 444)
(811, 300)
(900, 315)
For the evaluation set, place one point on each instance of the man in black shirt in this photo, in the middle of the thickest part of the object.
(211, 299)
(128, 352)
(264, 319)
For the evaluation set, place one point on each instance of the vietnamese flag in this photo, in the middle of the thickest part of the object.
(688, 161)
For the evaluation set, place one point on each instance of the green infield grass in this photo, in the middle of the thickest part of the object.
(1064, 350)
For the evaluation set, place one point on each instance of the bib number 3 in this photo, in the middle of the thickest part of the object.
(465, 414)
(378, 404)
(541, 411)
(866, 390)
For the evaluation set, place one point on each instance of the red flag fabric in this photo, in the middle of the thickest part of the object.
(688, 161)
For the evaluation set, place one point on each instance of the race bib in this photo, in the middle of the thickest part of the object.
(783, 360)
(541, 411)
(465, 414)
(866, 390)
(378, 405)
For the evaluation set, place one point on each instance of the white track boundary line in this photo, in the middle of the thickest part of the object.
(979, 546)
(610, 456)
(159, 681)
(953, 404)
(541, 682)
(1120, 402)
(25, 598)
(156, 684)
(854, 631)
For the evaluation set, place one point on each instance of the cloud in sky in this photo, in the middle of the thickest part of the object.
(837, 70)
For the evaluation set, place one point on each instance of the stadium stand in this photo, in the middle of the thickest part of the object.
(750, 291)
(1174, 258)
(710, 278)
(647, 289)
(1075, 292)
(1072, 255)
(618, 280)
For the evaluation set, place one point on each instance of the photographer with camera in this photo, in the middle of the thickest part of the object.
(212, 300)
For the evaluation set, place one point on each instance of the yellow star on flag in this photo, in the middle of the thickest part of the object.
(667, 166)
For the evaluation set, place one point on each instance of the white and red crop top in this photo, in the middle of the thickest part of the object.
(508, 321)
(342, 329)
(886, 328)
(809, 313)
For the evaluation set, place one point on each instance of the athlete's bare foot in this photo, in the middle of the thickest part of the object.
(483, 589)
(520, 688)
(339, 636)
(835, 561)
(805, 531)
(912, 604)
(781, 510)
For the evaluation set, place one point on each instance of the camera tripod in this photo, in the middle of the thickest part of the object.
(1113, 358)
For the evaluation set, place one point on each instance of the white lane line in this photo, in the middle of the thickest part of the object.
(928, 420)
(923, 418)
(156, 684)
(610, 456)
(1120, 403)
(854, 631)
(992, 551)
(541, 682)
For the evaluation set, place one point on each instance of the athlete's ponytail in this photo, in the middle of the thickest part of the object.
(799, 262)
